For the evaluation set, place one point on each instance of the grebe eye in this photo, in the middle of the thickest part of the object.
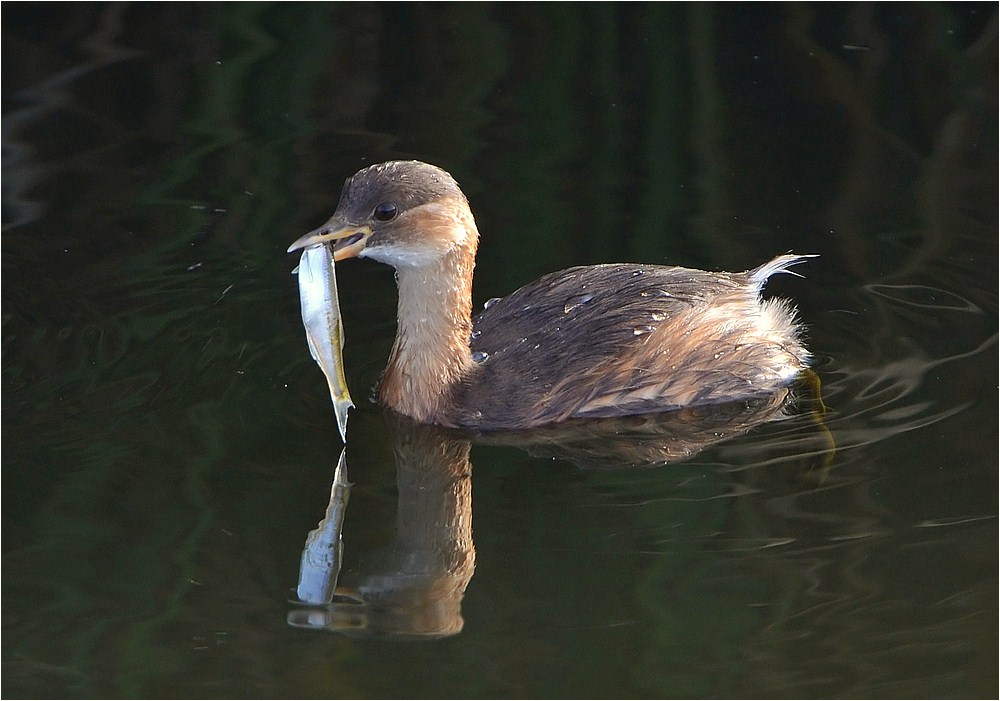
(385, 211)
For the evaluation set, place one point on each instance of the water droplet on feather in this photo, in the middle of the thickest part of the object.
(576, 301)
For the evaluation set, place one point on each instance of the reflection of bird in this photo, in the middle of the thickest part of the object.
(413, 586)
(596, 341)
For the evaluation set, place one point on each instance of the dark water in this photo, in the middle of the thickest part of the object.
(169, 444)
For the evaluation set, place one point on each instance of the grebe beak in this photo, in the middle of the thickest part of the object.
(348, 240)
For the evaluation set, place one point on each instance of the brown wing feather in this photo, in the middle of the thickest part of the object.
(607, 340)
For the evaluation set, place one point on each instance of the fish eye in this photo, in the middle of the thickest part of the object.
(385, 211)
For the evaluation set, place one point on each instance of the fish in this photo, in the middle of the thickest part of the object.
(323, 324)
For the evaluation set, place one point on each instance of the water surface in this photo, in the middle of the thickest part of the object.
(169, 443)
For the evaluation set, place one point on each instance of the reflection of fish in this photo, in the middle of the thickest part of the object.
(324, 551)
(324, 328)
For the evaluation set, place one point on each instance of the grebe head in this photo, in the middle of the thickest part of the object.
(405, 213)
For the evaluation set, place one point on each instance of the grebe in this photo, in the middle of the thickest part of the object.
(586, 342)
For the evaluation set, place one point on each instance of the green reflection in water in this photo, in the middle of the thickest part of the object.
(165, 435)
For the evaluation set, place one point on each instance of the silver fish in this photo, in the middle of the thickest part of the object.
(324, 327)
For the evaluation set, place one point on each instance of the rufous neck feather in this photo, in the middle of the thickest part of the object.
(431, 352)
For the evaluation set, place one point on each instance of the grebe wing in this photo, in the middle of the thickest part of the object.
(570, 344)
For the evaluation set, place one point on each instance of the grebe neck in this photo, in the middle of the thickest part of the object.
(434, 321)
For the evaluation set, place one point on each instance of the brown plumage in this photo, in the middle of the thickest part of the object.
(586, 342)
